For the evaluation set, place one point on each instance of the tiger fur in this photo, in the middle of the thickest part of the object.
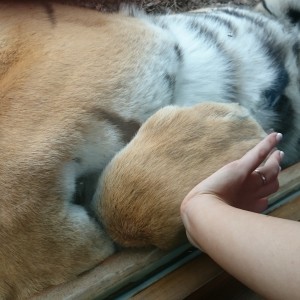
(75, 87)
(141, 189)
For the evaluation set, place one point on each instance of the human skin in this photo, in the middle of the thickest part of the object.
(220, 217)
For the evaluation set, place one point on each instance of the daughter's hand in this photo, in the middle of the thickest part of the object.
(245, 183)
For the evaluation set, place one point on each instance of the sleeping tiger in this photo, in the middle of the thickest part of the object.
(75, 87)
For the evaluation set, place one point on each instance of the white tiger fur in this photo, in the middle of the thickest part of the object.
(258, 54)
(76, 85)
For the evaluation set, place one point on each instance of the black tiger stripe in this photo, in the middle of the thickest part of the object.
(293, 15)
(274, 93)
(275, 52)
(203, 31)
(50, 12)
(178, 52)
(171, 80)
(223, 22)
(242, 15)
(264, 4)
(286, 113)
(163, 25)
(296, 48)
(296, 51)
(214, 18)
(211, 36)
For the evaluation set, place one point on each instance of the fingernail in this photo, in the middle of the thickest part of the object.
(281, 154)
(278, 137)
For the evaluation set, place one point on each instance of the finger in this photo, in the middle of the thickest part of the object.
(191, 240)
(266, 190)
(253, 158)
(275, 155)
(257, 205)
(260, 205)
(269, 172)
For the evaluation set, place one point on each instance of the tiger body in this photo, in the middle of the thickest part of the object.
(75, 87)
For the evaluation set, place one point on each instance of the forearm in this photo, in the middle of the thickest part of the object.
(263, 252)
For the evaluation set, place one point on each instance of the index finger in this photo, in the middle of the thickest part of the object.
(255, 157)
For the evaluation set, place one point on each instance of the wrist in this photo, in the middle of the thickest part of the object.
(197, 213)
(200, 202)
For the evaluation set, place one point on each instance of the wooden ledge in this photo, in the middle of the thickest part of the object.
(153, 274)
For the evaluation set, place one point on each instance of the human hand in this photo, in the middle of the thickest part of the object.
(245, 183)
